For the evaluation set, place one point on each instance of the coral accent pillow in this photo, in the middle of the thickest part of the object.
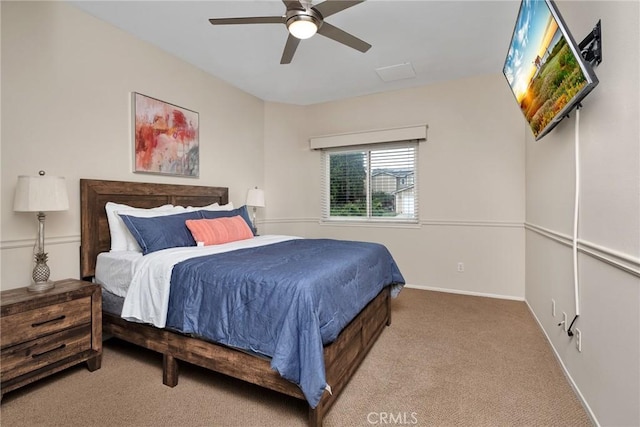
(242, 211)
(220, 230)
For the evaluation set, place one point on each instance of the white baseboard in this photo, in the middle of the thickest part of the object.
(462, 292)
(566, 372)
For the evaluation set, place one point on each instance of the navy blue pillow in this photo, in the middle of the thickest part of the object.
(242, 211)
(161, 232)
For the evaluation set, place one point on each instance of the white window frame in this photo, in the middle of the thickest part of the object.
(368, 148)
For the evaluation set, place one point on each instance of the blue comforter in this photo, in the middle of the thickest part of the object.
(284, 300)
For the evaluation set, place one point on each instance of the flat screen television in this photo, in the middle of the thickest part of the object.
(544, 67)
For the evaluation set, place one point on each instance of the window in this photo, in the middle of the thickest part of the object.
(375, 182)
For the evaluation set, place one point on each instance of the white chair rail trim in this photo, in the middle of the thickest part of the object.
(622, 261)
(28, 243)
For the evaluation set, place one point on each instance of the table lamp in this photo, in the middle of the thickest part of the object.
(40, 194)
(255, 198)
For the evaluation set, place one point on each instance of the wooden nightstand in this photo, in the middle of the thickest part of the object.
(43, 333)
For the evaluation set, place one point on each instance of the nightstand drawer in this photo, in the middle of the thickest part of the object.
(46, 332)
(32, 324)
(29, 356)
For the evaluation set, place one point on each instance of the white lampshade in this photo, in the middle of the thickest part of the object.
(41, 194)
(302, 27)
(255, 197)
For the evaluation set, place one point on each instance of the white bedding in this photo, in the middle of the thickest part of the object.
(147, 297)
(114, 270)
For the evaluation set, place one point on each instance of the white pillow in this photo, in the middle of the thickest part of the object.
(121, 239)
(212, 207)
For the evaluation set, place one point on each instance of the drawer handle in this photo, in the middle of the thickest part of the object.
(60, 347)
(35, 325)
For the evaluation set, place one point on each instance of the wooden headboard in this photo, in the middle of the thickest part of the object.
(94, 195)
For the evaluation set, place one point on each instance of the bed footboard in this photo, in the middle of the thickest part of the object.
(342, 357)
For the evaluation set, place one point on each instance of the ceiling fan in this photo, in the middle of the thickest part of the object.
(303, 20)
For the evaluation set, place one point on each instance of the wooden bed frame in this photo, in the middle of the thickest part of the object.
(342, 357)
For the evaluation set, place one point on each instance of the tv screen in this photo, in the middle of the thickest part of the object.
(544, 67)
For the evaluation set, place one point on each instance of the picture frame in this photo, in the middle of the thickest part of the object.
(165, 138)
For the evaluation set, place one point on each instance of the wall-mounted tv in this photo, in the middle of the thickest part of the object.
(544, 67)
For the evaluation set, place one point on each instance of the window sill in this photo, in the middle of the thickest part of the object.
(370, 223)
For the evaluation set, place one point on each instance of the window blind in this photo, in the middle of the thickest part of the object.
(372, 183)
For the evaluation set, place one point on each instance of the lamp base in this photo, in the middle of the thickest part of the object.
(41, 286)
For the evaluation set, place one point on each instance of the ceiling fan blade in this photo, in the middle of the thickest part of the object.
(335, 33)
(248, 20)
(289, 49)
(293, 5)
(328, 8)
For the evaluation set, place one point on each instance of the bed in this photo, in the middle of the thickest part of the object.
(341, 357)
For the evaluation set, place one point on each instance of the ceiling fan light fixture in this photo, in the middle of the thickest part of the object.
(302, 26)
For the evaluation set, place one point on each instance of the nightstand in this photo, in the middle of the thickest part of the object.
(43, 333)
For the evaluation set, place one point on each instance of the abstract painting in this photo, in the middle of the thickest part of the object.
(165, 138)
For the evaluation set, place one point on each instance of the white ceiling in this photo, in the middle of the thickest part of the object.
(443, 40)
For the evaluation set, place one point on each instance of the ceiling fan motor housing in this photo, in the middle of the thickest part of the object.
(308, 15)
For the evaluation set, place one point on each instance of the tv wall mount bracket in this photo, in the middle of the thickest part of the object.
(591, 46)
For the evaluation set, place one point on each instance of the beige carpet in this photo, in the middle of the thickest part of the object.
(446, 360)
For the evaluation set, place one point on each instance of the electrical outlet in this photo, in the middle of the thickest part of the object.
(565, 327)
(578, 336)
(553, 307)
(460, 267)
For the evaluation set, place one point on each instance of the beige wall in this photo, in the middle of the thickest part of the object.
(66, 84)
(470, 184)
(607, 371)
